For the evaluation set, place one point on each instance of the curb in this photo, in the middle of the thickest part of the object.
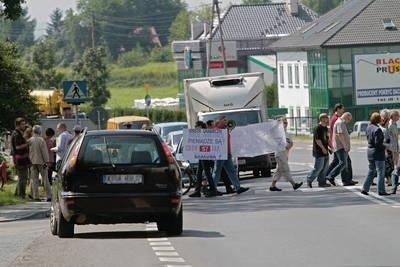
(28, 216)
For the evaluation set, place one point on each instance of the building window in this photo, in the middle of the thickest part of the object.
(298, 119)
(290, 75)
(281, 75)
(291, 118)
(297, 75)
(305, 75)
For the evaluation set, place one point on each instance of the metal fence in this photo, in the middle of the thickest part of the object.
(301, 125)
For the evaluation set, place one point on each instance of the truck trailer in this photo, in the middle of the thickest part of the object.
(239, 97)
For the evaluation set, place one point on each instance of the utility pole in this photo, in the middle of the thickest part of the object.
(215, 6)
(210, 40)
(222, 36)
(93, 42)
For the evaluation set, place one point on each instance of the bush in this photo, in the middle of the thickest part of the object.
(135, 57)
(161, 54)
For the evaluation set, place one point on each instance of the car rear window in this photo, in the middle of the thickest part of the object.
(122, 149)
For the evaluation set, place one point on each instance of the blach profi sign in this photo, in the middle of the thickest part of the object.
(377, 78)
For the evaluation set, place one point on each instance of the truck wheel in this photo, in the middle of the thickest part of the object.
(266, 172)
(256, 173)
(65, 229)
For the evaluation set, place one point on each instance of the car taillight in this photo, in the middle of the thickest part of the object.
(168, 153)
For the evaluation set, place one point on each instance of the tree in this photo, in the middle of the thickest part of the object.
(56, 24)
(44, 62)
(124, 24)
(271, 92)
(252, 2)
(93, 69)
(20, 31)
(15, 87)
(322, 6)
(180, 27)
(12, 9)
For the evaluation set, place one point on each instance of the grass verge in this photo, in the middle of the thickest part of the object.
(124, 96)
(7, 194)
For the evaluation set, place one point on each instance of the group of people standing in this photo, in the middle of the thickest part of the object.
(334, 140)
(382, 150)
(213, 169)
(35, 153)
(331, 136)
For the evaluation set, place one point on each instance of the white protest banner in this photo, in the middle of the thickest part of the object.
(205, 144)
(258, 139)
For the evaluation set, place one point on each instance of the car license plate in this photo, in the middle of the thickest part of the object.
(241, 161)
(123, 179)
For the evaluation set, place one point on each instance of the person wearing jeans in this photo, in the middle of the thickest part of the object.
(227, 164)
(376, 156)
(320, 152)
(341, 145)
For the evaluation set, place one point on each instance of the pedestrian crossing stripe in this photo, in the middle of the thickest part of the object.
(75, 92)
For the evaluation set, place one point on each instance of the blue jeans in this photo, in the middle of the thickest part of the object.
(347, 174)
(321, 165)
(230, 170)
(375, 167)
(395, 179)
(342, 156)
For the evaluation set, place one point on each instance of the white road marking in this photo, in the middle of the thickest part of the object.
(167, 253)
(160, 243)
(157, 239)
(171, 259)
(178, 265)
(314, 189)
(163, 248)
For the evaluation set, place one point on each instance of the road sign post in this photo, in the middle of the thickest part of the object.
(147, 100)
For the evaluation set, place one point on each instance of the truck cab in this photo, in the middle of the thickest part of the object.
(239, 97)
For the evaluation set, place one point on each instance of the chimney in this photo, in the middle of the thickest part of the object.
(293, 6)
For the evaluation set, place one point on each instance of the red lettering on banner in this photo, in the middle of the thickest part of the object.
(205, 148)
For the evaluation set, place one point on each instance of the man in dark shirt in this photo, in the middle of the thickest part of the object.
(320, 152)
(19, 148)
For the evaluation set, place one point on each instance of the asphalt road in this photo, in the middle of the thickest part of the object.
(309, 227)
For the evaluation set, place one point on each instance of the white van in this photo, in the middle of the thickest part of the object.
(359, 128)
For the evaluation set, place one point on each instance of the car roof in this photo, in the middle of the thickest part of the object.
(165, 124)
(120, 132)
(128, 119)
(176, 132)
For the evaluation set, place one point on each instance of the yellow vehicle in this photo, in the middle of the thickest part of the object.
(128, 122)
(50, 102)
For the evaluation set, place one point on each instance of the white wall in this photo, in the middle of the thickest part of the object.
(293, 89)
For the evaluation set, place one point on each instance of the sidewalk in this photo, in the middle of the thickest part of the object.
(28, 210)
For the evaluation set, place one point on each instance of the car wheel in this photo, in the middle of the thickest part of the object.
(53, 220)
(65, 229)
(172, 224)
(256, 173)
(266, 172)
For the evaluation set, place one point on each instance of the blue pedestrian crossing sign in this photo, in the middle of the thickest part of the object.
(75, 92)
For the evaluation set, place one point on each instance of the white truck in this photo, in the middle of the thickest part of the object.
(241, 98)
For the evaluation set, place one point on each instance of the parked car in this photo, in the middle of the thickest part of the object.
(163, 129)
(173, 139)
(117, 176)
(359, 128)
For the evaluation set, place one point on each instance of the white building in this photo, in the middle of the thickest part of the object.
(293, 89)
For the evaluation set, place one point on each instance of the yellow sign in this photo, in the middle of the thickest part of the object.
(147, 87)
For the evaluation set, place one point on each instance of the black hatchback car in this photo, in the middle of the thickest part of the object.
(117, 176)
